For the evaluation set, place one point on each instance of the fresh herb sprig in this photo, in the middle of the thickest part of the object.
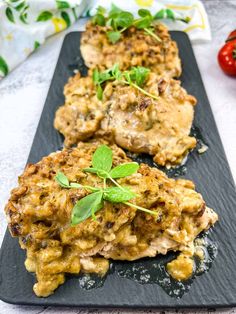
(135, 77)
(120, 20)
(102, 167)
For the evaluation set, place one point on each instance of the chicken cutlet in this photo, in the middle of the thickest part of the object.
(135, 48)
(159, 127)
(39, 214)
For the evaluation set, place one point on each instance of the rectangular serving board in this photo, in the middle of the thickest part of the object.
(209, 171)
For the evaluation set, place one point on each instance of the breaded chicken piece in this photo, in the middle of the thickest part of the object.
(39, 214)
(135, 48)
(129, 118)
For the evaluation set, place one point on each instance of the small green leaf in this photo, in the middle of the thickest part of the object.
(3, 66)
(101, 10)
(62, 179)
(124, 170)
(159, 15)
(139, 75)
(62, 4)
(99, 92)
(144, 12)
(113, 36)
(114, 11)
(116, 71)
(127, 76)
(10, 15)
(170, 14)
(86, 207)
(36, 45)
(102, 158)
(99, 19)
(143, 22)
(118, 195)
(44, 16)
(66, 18)
(104, 76)
(91, 170)
(95, 76)
(124, 19)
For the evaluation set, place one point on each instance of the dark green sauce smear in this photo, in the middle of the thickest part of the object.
(153, 271)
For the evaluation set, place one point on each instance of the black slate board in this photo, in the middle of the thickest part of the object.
(210, 172)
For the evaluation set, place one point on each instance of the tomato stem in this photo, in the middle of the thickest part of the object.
(234, 52)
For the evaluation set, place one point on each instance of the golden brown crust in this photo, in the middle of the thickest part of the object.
(39, 212)
(135, 48)
(80, 117)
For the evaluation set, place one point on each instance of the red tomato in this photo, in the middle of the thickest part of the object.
(231, 36)
(227, 58)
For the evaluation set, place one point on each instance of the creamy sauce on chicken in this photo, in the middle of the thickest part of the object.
(39, 214)
(129, 118)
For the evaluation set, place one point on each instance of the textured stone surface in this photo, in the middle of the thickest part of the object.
(24, 91)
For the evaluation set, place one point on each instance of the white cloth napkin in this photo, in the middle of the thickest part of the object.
(25, 24)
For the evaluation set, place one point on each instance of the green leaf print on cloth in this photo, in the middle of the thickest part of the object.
(62, 4)
(66, 18)
(3, 67)
(44, 16)
(10, 15)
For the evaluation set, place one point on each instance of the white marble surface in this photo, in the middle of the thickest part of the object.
(22, 96)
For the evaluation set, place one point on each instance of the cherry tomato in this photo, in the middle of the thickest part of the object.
(231, 36)
(227, 58)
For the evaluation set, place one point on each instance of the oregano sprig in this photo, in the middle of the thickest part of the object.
(135, 77)
(102, 167)
(119, 20)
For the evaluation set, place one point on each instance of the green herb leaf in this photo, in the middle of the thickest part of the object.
(99, 19)
(170, 14)
(44, 16)
(113, 36)
(114, 11)
(139, 75)
(118, 195)
(143, 22)
(99, 92)
(101, 10)
(144, 12)
(87, 207)
(102, 158)
(124, 170)
(160, 14)
(135, 77)
(91, 170)
(124, 19)
(62, 179)
(116, 73)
